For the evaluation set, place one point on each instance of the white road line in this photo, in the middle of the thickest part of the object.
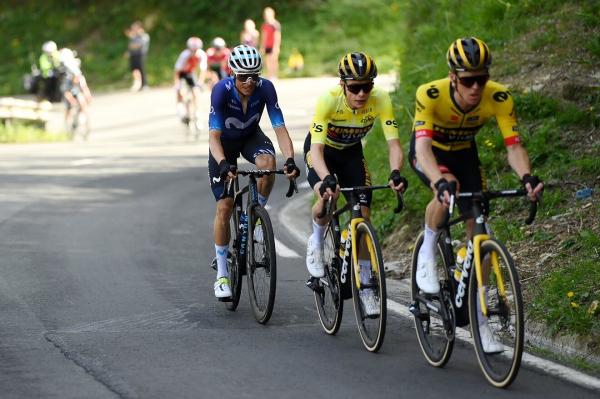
(82, 162)
(284, 251)
(528, 359)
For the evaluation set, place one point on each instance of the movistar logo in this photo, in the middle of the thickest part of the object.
(232, 122)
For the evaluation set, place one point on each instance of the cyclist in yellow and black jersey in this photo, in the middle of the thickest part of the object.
(449, 113)
(333, 150)
(337, 125)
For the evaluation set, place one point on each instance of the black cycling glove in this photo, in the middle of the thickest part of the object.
(290, 166)
(532, 180)
(225, 167)
(441, 186)
(328, 182)
(397, 178)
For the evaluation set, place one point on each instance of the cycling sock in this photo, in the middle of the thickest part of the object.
(318, 233)
(180, 110)
(262, 200)
(427, 250)
(365, 271)
(221, 251)
(480, 317)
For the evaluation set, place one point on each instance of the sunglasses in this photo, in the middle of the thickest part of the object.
(246, 78)
(469, 81)
(356, 88)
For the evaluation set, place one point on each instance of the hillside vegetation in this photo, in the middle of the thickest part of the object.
(321, 29)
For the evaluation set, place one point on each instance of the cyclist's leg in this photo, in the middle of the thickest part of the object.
(314, 248)
(259, 150)
(223, 211)
(427, 278)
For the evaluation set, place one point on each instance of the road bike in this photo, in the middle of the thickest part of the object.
(78, 123)
(193, 127)
(342, 255)
(252, 245)
(493, 290)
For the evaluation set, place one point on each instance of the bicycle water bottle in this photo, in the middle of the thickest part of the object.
(461, 255)
(343, 239)
(244, 229)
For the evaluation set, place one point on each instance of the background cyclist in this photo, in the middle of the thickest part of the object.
(344, 115)
(218, 55)
(76, 92)
(237, 103)
(190, 60)
(449, 113)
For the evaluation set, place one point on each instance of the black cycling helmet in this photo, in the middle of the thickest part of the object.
(357, 66)
(469, 54)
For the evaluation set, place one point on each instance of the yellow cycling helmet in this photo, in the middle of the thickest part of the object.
(357, 66)
(469, 54)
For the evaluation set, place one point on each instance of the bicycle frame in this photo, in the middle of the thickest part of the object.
(480, 235)
(356, 218)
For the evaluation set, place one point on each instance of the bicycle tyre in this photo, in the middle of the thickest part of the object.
(234, 268)
(261, 266)
(435, 340)
(505, 318)
(370, 328)
(328, 299)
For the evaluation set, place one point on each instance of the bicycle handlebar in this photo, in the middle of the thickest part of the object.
(259, 173)
(327, 205)
(488, 195)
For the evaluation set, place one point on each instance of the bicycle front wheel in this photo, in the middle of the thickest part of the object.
(502, 295)
(261, 265)
(435, 329)
(328, 299)
(234, 263)
(368, 288)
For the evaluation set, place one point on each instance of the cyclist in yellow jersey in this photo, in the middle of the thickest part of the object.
(449, 113)
(333, 150)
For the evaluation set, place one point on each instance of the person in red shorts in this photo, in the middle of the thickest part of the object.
(270, 42)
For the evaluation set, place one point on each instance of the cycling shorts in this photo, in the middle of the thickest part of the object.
(249, 147)
(189, 78)
(463, 164)
(348, 165)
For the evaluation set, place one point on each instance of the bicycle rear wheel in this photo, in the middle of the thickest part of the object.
(505, 316)
(435, 332)
(328, 300)
(261, 265)
(234, 266)
(371, 326)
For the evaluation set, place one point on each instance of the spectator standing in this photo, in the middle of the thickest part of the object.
(139, 43)
(249, 35)
(270, 42)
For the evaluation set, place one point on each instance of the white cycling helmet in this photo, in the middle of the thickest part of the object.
(194, 43)
(218, 42)
(49, 47)
(245, 59)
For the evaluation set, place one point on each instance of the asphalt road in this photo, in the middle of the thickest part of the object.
(106, 290)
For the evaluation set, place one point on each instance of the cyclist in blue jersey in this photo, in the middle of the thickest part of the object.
(237, 103)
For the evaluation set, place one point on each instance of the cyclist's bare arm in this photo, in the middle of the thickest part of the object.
(284, 141)
(518, 159)
(426, 159)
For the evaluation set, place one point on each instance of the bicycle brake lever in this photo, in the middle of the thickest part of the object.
(293, 188)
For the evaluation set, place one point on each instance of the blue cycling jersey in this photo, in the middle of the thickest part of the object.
(227, 116)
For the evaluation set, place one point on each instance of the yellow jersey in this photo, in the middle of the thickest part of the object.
(337, 125)
(440, 118)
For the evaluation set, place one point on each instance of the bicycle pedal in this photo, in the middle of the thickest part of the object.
(226, 299)
(414, 309)
(312, 283)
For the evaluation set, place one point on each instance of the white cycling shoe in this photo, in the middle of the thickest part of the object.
(314, 259)
(489, 341)
(370, 304)
(427, 277)
(222, 288)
